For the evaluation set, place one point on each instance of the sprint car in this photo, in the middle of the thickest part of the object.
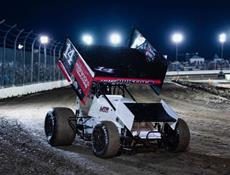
(107, 113)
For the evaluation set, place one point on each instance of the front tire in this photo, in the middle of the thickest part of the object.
(60, 126)
(177, 140)
(106, 140)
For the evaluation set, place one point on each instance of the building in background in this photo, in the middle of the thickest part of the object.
(175, 66)
(197, 62)
(218, 63)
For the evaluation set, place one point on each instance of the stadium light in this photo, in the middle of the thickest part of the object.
(87, 39)
(115, 39)
(44, 39)
(20, 46)
(222, 40)
(177, 38)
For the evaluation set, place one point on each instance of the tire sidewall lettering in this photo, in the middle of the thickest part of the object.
(106, 135)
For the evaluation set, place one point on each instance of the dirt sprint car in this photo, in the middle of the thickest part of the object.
(107, 113)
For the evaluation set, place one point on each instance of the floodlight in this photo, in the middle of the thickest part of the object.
(20, 46)
(115, 38)
(44, 39)
(87, 39)
(222, 38)
(177, 38)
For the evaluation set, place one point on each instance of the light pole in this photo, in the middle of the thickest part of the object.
(177, 38)
(44, 40)
(222, 40)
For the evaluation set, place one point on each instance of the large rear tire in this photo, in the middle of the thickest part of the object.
(106, 140)
(177, 140)
(60, 126)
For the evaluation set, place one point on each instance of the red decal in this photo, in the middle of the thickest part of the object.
(82, 76)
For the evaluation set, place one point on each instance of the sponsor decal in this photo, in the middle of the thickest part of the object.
(75, 69)
(119, 80)
(104, 109)
(104, 69)
(139, 42)
(82, 76)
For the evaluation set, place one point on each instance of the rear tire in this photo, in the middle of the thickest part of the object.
(106, 140)
(60, 126)
(177, 140)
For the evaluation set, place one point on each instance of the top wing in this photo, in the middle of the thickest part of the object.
(122, 65)
(140, 63)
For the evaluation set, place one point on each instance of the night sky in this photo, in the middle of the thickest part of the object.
(200, 21)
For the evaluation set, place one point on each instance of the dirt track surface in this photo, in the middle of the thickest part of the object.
(24, 150)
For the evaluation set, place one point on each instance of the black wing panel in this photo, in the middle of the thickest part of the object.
(124, 65)
(149, 112)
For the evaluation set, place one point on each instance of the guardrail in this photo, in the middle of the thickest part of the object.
(32, 88)
(200, 72)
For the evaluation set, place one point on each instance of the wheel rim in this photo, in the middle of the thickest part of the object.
(49, 126)
(99, 139)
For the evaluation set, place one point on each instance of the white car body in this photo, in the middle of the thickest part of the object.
(121, 116)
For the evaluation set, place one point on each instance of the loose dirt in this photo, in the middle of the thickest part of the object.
(24, 150)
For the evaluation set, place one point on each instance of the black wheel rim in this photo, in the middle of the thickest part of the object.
(49, 126)
(99, 142)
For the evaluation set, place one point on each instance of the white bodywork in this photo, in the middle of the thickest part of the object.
(101, 110)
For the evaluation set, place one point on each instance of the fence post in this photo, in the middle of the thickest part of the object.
(39, 61)
(4, 51)
(1, 22)
(24, 55)
(32, 59)
(15, 54)
(45, 54)
(59, 55)
(50, 54)
(54, 59)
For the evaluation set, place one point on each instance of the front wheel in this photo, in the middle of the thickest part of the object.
(106, 140)
(60, 126)
(177, 140)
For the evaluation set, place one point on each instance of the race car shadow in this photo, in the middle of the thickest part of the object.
(84, 148)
